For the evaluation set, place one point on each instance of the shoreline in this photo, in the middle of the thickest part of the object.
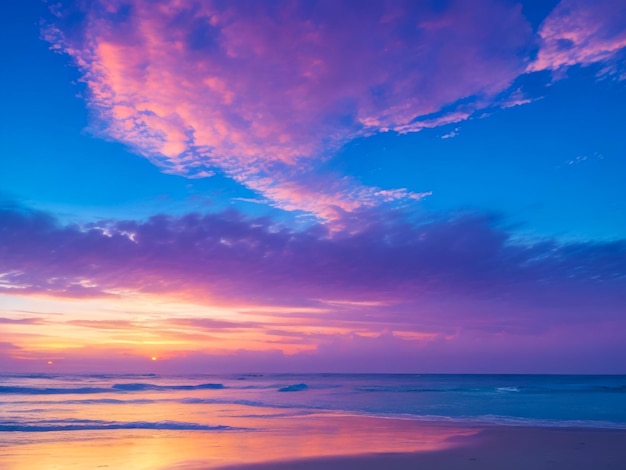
(498, 422)
(270, 439)
(331, 442)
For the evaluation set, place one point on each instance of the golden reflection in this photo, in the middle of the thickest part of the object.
(265, 439)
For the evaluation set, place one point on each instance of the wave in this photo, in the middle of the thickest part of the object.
(94, 401)
(121, 387)
(104, 401)
(275, 386)
(97, 425)
(576, 389)
(408, 389)
(507, 389)
(183, 401)
(132, 387)
(76, 377)
(510, 389)
(51, 391)
(502, 420)
(255, 404)
(294, 388)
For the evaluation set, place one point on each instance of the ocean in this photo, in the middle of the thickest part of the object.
(54, 418)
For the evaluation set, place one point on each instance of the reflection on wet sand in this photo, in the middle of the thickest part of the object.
(263, 440)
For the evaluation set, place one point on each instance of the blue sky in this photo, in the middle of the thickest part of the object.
(407, 180)
(554, 166)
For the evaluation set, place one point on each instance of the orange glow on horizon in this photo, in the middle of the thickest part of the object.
(147, 327)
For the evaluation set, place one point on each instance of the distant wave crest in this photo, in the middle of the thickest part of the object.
(146, 386)
(97, 425)
(121, 387)
(518, 389)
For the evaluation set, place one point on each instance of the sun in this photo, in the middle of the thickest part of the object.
(154, 358)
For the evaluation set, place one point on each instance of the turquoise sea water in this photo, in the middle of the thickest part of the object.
(36, 404)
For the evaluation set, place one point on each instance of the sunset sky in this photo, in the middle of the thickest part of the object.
(316, 186)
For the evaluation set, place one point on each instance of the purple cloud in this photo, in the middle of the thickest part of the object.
(425, 276)
(20, 321)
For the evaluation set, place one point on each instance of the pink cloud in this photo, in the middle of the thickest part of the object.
(264, 91)
(581, 32)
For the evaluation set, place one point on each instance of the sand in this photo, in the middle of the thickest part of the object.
(492, 448)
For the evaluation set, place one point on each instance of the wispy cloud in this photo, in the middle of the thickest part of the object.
(212, 324)
(20, 321)
(581, 32)
(264, 91)
(453, 133)
(103, 324)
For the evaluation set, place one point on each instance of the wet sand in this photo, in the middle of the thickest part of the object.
(492, 448)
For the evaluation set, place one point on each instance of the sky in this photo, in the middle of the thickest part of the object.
(313, 186)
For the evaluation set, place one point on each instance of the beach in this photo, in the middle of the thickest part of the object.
(313, 235)
(311, 421)
(493, 448)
